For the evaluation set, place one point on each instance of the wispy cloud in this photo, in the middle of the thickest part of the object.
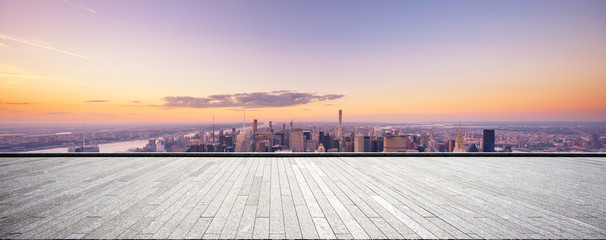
(44, 47)
(96, 101)
(136, 102)
(82, 7)
(281, 98)
(18, 103)
(57, 113)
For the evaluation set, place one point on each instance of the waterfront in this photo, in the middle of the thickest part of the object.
(106, 147)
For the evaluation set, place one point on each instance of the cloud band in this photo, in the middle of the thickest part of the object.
(281, 98)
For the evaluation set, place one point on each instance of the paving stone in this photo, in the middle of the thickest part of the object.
(326, 198)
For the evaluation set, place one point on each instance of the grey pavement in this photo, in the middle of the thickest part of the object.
(303, 197)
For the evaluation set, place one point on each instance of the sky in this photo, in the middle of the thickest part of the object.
(80, 61)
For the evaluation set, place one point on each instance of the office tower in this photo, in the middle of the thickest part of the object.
(311, 145)
(359, 143)
(374, 145)
(349, 146)
(284, 138)
(210, 148)
(595, 141)
(433, 146)
(395, 143)
(262, 142)
(488, 144)
(334, 144)
(366, 144)
(243, 142)
(459, 142)
(411, 145)
(450, 145)
(297, 142)
(278, 139)
(307, 135)
(255, 126)
(270, 127)
(326, 141)
(339, 130)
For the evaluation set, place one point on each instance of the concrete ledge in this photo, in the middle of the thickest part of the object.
(304, 154)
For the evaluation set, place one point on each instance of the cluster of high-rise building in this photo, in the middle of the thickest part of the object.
(328, 138)
(337, 136)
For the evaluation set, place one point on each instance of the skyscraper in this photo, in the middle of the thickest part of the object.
(297, 142)
(459, 142)
(595, 141)
(488, 145)
(450, 145)
(395, 143)
(367, 146)
(359, 143)
(339, 130)
(349, 146)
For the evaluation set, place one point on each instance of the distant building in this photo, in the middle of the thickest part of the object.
(340, 128)
(367, 144)
(321, 148)
(335, 144)
(395, 143)
(307, 135)
(595, 141)
(349, 146)
(459, 142)
(433, 146)
(297, 143)
(326, 141)
(374, 146)
(359, 143)
(488, 143)
(425, 139)
(243, 142)
(450, 145)
(473, 148)
(311, 145)
(263, 141)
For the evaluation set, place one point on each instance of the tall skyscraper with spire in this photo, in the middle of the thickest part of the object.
(459, 142)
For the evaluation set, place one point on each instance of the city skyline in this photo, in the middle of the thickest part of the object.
(389, 61)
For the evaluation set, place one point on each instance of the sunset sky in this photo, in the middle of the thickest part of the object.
(65, 61)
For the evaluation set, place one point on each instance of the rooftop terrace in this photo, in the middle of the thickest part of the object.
(295, 196)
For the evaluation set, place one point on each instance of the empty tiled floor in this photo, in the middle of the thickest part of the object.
(340, 197)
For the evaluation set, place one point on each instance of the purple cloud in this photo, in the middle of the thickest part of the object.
(281, 98)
